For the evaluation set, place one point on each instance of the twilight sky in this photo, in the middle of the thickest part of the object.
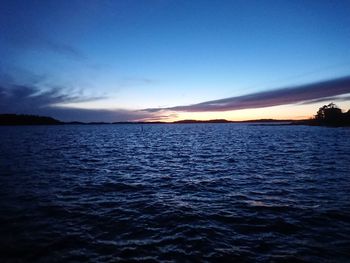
(168, 60)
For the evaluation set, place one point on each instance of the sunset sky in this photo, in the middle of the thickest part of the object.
(170, 60)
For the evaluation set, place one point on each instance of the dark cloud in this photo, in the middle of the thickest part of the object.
(328, 99)
(164, 117)
(95, 115)
(23, 99)
(314, 92)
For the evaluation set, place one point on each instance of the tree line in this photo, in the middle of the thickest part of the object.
(22, 119)
(331, 115)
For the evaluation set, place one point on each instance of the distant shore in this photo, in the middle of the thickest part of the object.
(19, 119)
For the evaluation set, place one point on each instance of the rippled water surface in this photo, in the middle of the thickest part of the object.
(184, 193)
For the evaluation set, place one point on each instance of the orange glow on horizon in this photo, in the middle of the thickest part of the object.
(284, 112)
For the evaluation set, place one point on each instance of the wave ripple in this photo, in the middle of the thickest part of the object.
(174, 193)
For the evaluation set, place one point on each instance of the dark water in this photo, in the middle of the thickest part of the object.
(185, 193)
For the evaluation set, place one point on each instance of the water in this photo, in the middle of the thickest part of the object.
(184, 193)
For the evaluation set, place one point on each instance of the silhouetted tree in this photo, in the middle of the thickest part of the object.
(320, 113)
(14, 119)
(331, 115)
(329, 112)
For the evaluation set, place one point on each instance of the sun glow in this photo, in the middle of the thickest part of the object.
(285, 112)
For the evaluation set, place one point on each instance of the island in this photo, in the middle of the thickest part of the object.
(328, 115)
(23, 119)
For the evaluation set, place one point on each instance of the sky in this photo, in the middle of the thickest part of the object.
(97, 60)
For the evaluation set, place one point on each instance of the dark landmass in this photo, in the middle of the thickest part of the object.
(15, 119)
(328, 115)
(226, 121)
(140, 122)
(314, 122)
(207, 121)
(264, 121)
(75, 122)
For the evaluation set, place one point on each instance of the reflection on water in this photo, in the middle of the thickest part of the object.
(196, 192)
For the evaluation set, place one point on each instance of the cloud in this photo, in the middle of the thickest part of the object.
(42, 42)
(95, 115)
(27, 37)
(135, 81)
(62, 48)
(318, 91)
(328, 99)
(25, 99)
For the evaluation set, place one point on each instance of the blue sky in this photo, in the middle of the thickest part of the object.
(124, 56)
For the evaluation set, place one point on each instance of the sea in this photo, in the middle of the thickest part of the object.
(174, 193)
